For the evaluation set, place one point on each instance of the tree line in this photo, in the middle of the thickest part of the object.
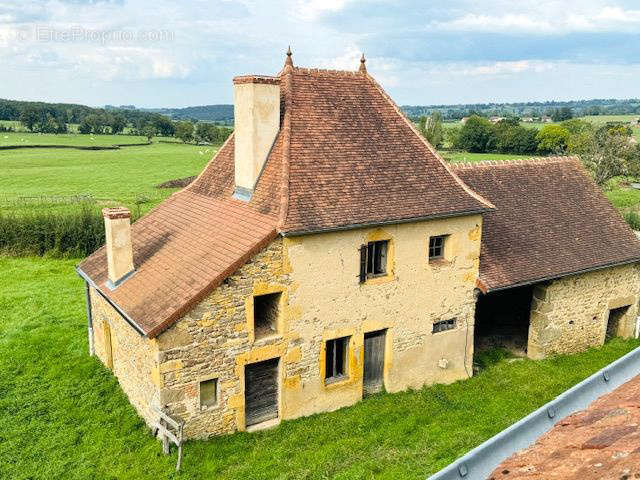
(534, 110)
(44, 117)
(608, 150)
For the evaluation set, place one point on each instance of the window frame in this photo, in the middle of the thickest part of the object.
(377, 258)
(330, 371)
(444, 325)
(206, 405)
(442, 255)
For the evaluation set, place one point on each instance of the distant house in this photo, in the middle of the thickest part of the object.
(495, 119)
(327, 252)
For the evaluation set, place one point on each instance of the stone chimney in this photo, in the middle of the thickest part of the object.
(256, 110)
(117, 226)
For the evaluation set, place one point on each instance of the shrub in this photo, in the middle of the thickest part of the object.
(476, 135)
(76, 232)
(633, 219)
(552, 139)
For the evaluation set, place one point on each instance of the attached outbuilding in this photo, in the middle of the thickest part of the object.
(558, 264)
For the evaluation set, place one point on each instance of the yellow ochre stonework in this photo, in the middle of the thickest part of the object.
(321, 299)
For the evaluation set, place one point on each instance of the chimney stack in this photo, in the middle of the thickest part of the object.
(256, 110)
(117, 226)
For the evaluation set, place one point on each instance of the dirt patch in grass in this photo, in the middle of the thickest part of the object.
(177, 182)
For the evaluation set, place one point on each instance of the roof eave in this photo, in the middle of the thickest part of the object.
(115, 306)
(355, 226)
(488, 289)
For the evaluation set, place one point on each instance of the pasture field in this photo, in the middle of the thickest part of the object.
(39, 178)
(64, 416)
(75, 139)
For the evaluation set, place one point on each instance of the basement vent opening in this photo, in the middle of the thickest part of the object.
(444, 325)
(265, 314)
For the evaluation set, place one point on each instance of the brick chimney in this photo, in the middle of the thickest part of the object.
(256, 110)
(117, 226)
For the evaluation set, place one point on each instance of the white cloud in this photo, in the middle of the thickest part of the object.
(550, 18)
(312, 9)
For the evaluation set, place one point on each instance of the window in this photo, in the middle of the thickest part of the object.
(373, 259)
(336, 359)
(209, 392)
(444, 325)
(265, 314)
(436, 247)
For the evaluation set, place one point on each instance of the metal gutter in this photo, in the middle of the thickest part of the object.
(555, 277)
(125, 317)
(89, 317)
(354, 226)
(482, 460)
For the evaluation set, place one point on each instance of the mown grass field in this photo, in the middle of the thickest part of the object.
(75, 139)
(46, 178)
(63, 415)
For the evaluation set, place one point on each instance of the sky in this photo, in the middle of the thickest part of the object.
(181, 53)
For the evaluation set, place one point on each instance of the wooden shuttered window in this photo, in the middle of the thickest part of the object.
(363, 263)
(373, 259)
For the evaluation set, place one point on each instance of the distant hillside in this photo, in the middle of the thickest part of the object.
(207, 113)
(610, 106)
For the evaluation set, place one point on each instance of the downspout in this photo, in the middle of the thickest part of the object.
(89, 318)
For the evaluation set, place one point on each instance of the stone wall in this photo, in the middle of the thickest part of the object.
(132, 359)
(321, 298)
(215, 340)
(570, 314)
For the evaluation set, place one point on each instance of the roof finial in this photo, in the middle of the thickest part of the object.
(289, 60)
(363, 68)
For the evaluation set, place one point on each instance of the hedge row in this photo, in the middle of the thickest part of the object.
(77, 232)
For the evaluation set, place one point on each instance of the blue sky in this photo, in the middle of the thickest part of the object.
(182, 53)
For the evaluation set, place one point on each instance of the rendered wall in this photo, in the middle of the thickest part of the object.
(323, 299)
(570, 314)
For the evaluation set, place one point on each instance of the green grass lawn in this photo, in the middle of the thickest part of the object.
(63, 415)
(75, 139)
(456, 156)
(121, 176)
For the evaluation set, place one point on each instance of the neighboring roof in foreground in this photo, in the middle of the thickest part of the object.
(601, 442)
(550, 220)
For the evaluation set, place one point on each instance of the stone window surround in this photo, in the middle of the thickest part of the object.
(447, 254)
(378, 235)
(218, 392)
(260, 289)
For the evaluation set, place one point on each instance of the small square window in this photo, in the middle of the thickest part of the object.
(377, 258)
(209, 392)
(444, 325)
(265, 314)
(336, 359)
(436, 247)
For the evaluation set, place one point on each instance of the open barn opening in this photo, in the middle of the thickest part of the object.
(502, 320)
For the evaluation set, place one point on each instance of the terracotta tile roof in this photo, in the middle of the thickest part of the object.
(550, 220)
(345, 156)
(355, 159)
(601, 442)
(181, 251)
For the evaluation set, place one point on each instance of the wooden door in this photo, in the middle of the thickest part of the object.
(374, 343)
(108, 347)
(261, 392)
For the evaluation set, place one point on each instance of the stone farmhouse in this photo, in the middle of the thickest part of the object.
(328, 252)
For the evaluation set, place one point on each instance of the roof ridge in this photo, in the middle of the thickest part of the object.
(515, 161)
(287, 77)
(444, 163)
(327, 70)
